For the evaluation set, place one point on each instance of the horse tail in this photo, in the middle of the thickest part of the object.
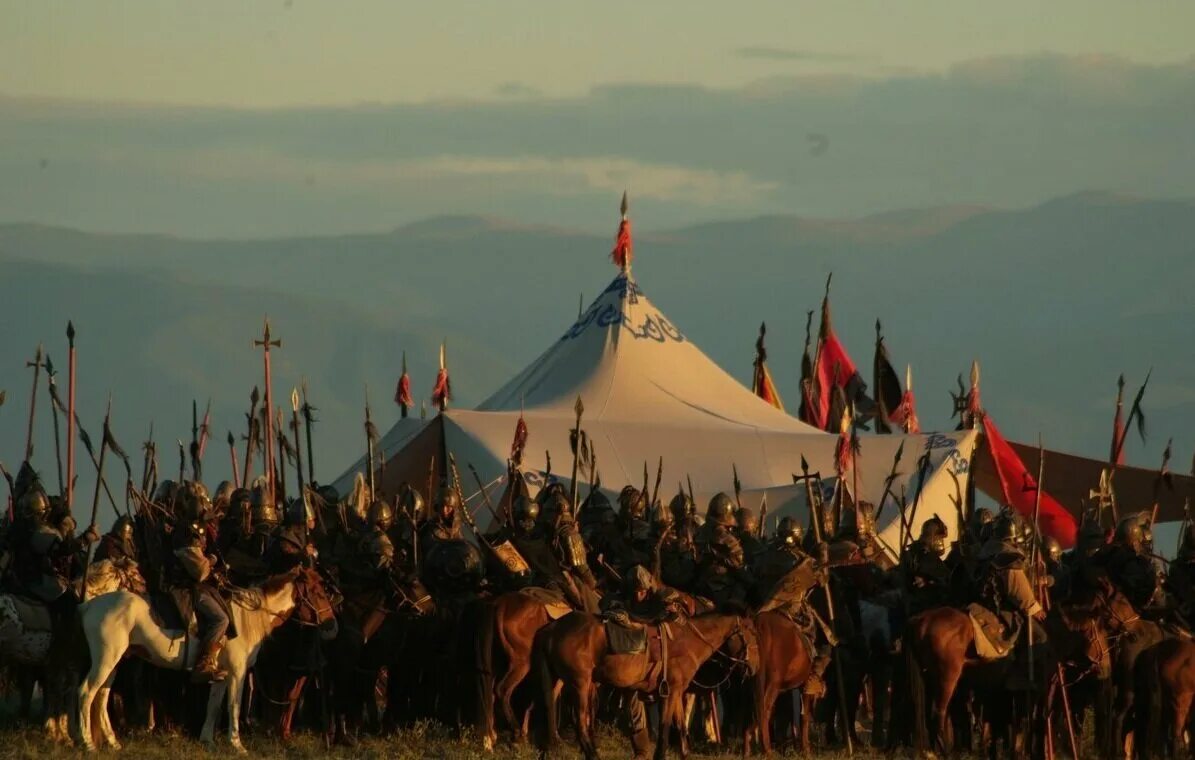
(917, 692)
(484, 658)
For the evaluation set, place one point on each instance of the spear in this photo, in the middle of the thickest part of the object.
(371, 435)
(266, 343)
(294, 405)
(280, 475)
(655, 492)
(205, 429)
(251, 436)
(484, 495)
(1033, 555)
(232, 453)
(147, 448)
(888, 481)
(763, 515)
(70, 416)
(815, 510)
(195, 466)
(922, 469)
(692, 498)
(579, 408)
(738, 486)
(1163, 477)
(37, 365)
(182, 461)
(95, 502)
(309, 418)
(54, 413)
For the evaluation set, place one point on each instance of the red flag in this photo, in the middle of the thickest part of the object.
(1116, 455)
(832, 368)
(442, 390)
(1020, 489)
(761, 381)
(622, 252)
(905, 414)
(402, 394)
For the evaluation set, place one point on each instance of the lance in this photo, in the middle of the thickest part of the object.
(99, 481)
(251, 436)
(50, 374)
(1163, 477)
(115, 448)
(579, 408)
(738, 486)
(692, 498)
(1134, 412)
(195, 466)
(294, 405)
(815, 509)
(205, 429)
(147, 448)
(232, 453)
(11, 488)
(888, 481)
(37, 365)
(922, 469)
(70, 416)
(484, 494)
(370, 436)
(280, 476)
(763, 515)
(308, 419)
(655, 491)
(266, 343)
(1186, 513)
(1033, 555)
(182, 461)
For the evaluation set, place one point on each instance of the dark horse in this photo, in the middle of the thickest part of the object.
(785, 663)
(940, 647)
(574, 650)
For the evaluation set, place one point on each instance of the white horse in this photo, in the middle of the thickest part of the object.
(25, 634)
(120, 623)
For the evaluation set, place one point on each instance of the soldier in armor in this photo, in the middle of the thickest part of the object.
(292, 544)
(747, 531)
(377, 548)
(265, 522)
(1059, 571)
(675, 554)
(926, 576)
(194, 571)
(856, 541)
(117, 544)
(1128, 562)
(597, 520)
(554, 549)
(445, 524)
(722, 577)
(222, 499)
(1005, 587)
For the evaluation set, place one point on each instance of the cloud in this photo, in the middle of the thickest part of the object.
(765, 53)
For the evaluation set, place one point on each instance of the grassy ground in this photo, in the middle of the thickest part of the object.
(414, 744)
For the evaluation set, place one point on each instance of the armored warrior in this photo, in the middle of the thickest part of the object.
(193, 572)
(723, 576)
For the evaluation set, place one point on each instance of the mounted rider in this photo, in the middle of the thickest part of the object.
(118, 544)
(193, 572)
(1128, 560)
(292, 545)
(925, 575)
(675, 553)
(722, 576)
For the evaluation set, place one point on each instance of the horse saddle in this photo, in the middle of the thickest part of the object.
(552, 599)
(995, 634)
(625, 637)
(174, 610)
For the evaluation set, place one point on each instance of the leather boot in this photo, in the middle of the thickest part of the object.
(208, 668)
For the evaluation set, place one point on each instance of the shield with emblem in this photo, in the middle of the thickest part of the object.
(511, 559)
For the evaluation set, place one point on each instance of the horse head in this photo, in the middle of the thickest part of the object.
(314, 605)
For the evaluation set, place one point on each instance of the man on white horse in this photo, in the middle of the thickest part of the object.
(194, 572)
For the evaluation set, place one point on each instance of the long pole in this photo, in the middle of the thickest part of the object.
(1033, 554)
(50, 374)
(266, 343)
(232, 453)
(99, 482)
(579, 408)
(280, 476)
(70, 417)
(815, 508)
(294, 404)
(36, 364)
(250, 438)
(308, 418)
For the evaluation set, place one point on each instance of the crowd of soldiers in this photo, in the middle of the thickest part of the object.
(633, 560)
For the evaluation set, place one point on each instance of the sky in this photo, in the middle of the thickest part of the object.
(234, 119)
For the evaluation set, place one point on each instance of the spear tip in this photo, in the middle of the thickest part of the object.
(232, 441)
(70, 331)
(294, 399)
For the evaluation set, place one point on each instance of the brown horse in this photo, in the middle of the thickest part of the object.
(574, 650)
(785, 663)
(509, 622)
(940, 646)
(1166, 676)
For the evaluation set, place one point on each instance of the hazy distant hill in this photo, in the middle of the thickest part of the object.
(1054, 300)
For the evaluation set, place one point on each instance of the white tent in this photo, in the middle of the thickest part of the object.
(649, 392)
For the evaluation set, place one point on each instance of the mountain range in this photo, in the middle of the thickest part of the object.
(1055, 301)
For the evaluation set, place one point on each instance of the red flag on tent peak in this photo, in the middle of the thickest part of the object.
(623, 248)
(442, 390)
(1020, 489)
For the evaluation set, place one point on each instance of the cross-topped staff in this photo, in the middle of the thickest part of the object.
(266, 343)
(70, 415)
(37, 365)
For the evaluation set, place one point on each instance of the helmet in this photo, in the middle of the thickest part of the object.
(1130, 531)
(123, 528)
(526, 513)
(933, 535)
(747, 521)
(264, 511)
(631, 503)
(640, 579)
(448, 500)
(299, 512)
(555, 507)
(1091, 536)
(980, 523)
(1007, 528)
(661, 516)
(329, 494)
(239, 504)
(167, 490)
(381, 515)
(681, 506)
(721, 510)
(410, 501)
(596, 502)
(35, 505)
(195, 533)
(861, 520)
(789, 531)
(223, 494)
(1147, 533)
(196, 502)
(1053, 549)
(551, 490)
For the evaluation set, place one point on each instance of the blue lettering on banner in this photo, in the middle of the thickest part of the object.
(939, 441)
(653, 327)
